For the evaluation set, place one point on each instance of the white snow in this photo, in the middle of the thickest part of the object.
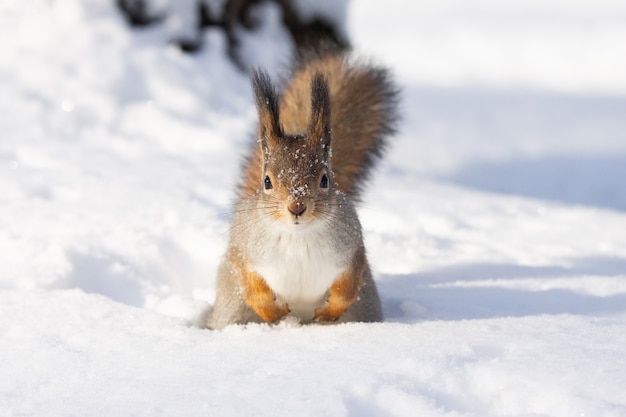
(496, 226)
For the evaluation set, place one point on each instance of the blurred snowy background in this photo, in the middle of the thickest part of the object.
(496, 226)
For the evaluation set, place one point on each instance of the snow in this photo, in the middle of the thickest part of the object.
(494, 227)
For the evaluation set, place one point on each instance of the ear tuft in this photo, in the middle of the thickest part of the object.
(320, 110)
(267, 106)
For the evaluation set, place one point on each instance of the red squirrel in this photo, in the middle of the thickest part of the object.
(296, 246)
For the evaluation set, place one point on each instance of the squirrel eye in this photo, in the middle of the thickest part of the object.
(324, 181)
(268, 183)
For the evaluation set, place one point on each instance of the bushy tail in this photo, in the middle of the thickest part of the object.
(363, 113)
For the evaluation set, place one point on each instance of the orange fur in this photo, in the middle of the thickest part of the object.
(260, 297)
(344, 290)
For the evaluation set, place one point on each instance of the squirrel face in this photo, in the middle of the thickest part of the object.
(296, 181)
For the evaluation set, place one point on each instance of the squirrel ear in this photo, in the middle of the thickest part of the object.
(320, 111)
(267, 108)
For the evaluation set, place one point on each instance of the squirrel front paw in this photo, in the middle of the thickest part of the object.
(341, 295)
(271, 312)
(328, 313)
(260, 297)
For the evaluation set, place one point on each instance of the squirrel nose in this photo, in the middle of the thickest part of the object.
(296, 208)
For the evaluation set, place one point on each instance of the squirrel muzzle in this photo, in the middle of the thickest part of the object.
(296, 208)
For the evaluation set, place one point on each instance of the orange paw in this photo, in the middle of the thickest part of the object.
(328, 313)
(271, 312)
(261, 298)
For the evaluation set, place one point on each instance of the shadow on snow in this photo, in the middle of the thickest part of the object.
(556, 146)
(586, 180)
(448, 294)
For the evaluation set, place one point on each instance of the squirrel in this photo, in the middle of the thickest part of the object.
(296, 245)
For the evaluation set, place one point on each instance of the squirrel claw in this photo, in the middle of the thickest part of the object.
(324, 315)
(275, 314)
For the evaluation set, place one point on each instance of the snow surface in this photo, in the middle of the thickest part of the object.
(496, 227)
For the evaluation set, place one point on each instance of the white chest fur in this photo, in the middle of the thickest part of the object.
(300, 266)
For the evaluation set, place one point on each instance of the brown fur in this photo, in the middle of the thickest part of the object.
(363, 113)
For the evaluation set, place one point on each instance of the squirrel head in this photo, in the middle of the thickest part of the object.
(296, 180)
